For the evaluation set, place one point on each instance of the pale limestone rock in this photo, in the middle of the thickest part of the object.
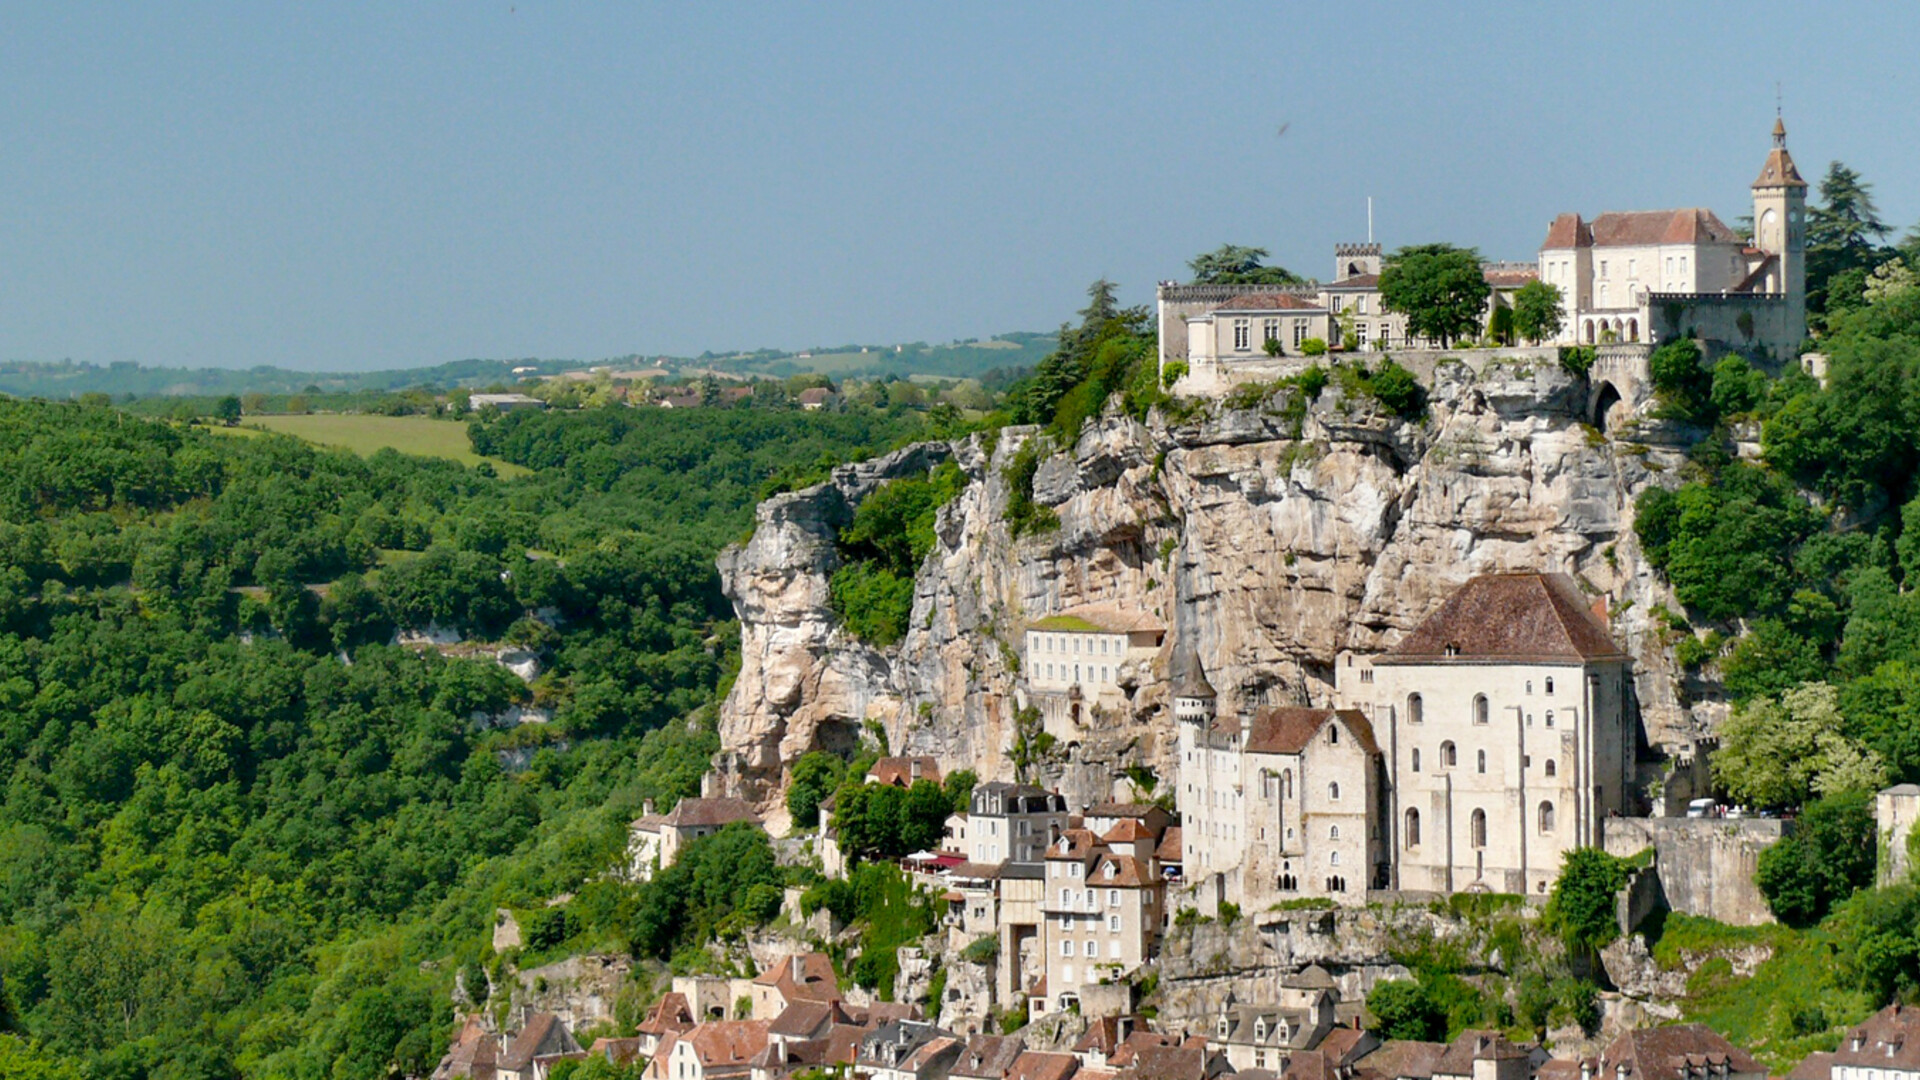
(1268, 540)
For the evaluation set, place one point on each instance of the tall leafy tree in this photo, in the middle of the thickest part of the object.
(1438, 287)
(1844, 238)
(1234, 264)
(1536, 311)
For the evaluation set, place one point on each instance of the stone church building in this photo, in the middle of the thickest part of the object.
(1471, 757)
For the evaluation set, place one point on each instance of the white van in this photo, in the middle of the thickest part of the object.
(1700, 808)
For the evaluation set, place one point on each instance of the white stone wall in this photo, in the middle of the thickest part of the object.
(1499, 768)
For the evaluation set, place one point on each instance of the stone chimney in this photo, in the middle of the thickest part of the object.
(646, 807)
(799, 968)
(913, 768)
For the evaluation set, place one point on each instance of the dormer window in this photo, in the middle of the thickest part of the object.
(1110, 871)
(1452, 649)
(1223, 1027)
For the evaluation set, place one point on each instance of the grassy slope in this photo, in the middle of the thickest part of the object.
(418, 435)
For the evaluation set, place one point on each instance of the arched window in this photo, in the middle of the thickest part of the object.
(1333, 858)
(1546, 818)
(1480, 761)
(1477, 829)
(1447, 759)
(1333, 791)
(1286, 784)
(1333, 833)
(1549, 717)
(1412, 831)
(1416, 759)
(1479, 708)
(1416, 709)
(1549, 684)
(1553, 768)
(1336, 883)
(1333, 735)
(1529, 686)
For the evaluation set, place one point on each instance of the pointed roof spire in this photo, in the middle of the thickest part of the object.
(1779, 171)
(1190, 679)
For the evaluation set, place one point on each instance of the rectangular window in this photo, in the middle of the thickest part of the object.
(1242, 335)
(1360, 305)
(1272, 329)
(1299, 332)
(1113, 900)
(1093, 948)
(1603, 268)
(1633, 267)
(1360, 333)
(1113, 949)
(1066, 948)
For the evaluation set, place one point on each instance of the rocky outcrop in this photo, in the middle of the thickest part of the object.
(1269, 538)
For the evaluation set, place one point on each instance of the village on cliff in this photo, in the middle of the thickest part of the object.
(1503, 729)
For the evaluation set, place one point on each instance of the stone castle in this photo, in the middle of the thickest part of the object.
(1638, 278)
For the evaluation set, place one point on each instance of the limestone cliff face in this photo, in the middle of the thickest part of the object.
(1268, 541)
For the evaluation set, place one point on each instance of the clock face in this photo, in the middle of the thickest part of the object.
(1769, 218)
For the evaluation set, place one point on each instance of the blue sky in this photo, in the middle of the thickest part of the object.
(347, 186)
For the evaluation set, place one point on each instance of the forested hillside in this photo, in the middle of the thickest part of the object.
(242, 833)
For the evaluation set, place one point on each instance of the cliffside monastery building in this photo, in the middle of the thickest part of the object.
(1471, 757)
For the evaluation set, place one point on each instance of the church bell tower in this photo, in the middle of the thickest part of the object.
(1780, 225)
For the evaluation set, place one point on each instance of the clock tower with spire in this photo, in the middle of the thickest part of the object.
(1780, 226)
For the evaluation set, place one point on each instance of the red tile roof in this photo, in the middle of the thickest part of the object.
(802, 977)
(1034, 1065)
(1524, 617)
(727, 1042)
(1671, 1053)
(899, 771)
(1643, 228)
(1567, 231)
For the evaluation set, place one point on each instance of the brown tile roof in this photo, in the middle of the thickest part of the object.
(931, 1051)
(1129, 1049)
(1176, 1063)
(1889, 1039)
(1126, 831)
(1567, 231)
(1641, 228)
(1073, 844)
(802, 977)
(1128, 873)
(544, 1036)
(1815, 1066)
(671, 1013)
(474, 1054)
(1401, 1058)
(801, 1019)
(727, 1042)
(615, 1051)
(1669, 1053)
(1287, 729)
(1270, 302)
(703, 811)
(1169, 849)
(1779, 170)
(1475, 1045)
(899, 771)
(815, 395)
(1344, 1045)
(1034, 1065)
(1558, 1069)
(1510, 617)
(988, 1057)
(1306, 1065)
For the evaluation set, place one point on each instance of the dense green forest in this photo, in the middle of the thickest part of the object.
(242, 833)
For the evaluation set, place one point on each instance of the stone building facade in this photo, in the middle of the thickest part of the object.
(1493, 739)
(1662, 274)
(1086, 658)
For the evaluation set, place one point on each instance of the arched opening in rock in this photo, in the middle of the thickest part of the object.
(1604, 403)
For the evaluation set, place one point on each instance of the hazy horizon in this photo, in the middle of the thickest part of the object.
(358, 189)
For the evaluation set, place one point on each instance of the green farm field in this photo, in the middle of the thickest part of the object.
(419, 435)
